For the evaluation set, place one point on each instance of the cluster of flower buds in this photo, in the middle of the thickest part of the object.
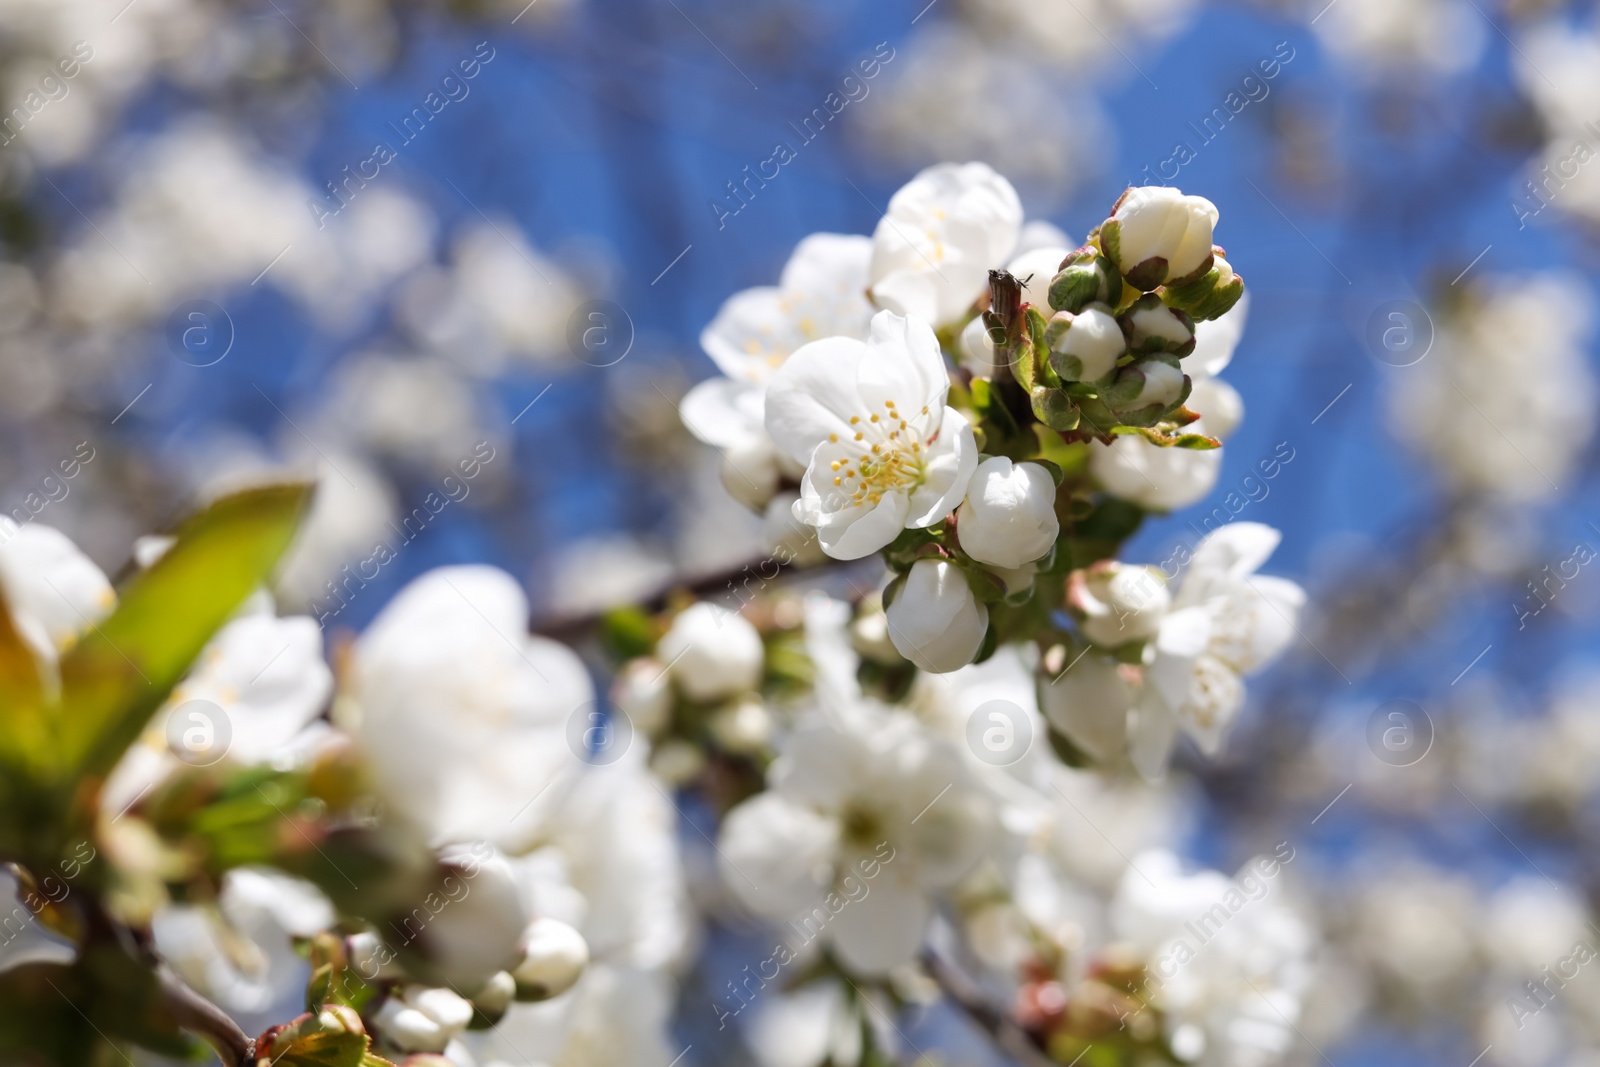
(1122, 311)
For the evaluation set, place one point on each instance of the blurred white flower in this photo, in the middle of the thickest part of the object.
(1225, 621)
(461, 710)
(53, 590)
(422, 1019)
(553, 957)
(858, 828)
(1505, 406)
(238, 952)
(885, 453)
(1231, 961)
(944, 231)
(712, 652)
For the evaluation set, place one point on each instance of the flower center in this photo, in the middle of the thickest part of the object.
(893, 459)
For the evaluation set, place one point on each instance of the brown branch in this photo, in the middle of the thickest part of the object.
(195, 1013)
(964, 994)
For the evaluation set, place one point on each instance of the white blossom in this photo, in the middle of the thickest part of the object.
(1157, 235)
(462, 711)
(944, 231)
(712, 652)
(1232, 997)
(422, 1019)
(884, 452)
(553, 957)
(1118, 602)
(934, 620)
(856, 831)
(53, 590)
(1008, 518)
(1225, 621)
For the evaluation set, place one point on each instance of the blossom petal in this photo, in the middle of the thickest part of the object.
(1152, 729)
(777, 856)
(883, 929)
(951, 461)
(814, 394)
(860, 531)
(722, 412)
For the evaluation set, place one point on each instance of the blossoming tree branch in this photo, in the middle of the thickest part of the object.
(448, 848)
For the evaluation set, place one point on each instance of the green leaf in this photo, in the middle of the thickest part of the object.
(115, 678)
(1196, 441)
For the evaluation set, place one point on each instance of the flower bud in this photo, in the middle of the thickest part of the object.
(1157, 235)
(677, 762)
(869, 634)
(1009, 515)
(935, 621)
(1084, 347)
(1212, 295)
(642, 692)
(1017, 579)
(1117, 603)
(714, 653)
(1085, 277)
(1088, 703)
(743, 727)
(495, 996)
(1151, 326)
(750, 471)
(420, 1019)
(1146, 390)
(469, 924)
(553, 957)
